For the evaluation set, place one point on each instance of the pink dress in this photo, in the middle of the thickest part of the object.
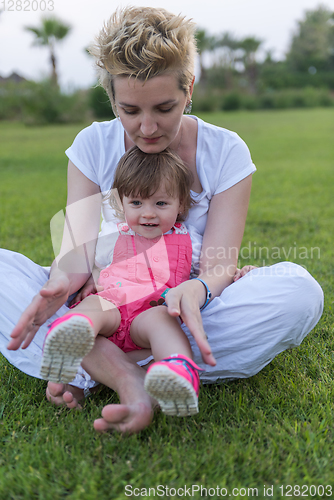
(140, 272)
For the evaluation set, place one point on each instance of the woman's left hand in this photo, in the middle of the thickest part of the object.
(184, 301)
(239, 273)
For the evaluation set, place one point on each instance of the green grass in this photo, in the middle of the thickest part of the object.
(271, 430)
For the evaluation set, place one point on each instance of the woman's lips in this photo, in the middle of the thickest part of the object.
(151, 140)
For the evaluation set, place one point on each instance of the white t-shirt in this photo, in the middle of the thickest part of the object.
(222, 160)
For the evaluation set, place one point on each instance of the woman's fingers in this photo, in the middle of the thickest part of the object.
(195, 325)
(27, 326)
(27, 319)
(242, 272)
(173, 300)
(86, 290)
(184, 305)
(49, 299)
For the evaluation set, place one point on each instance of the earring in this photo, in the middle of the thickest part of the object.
(188, 107)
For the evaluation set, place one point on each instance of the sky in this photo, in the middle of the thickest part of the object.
(272, 22)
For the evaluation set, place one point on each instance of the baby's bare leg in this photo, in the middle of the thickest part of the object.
(174, 381)
(104, 315)
(71, 337)
(156, 329)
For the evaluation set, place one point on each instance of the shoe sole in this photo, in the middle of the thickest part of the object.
(175, 395)
(64, 349)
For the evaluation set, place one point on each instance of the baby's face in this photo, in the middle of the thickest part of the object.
(151, 217)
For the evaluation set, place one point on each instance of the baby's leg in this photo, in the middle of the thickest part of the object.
(71, 337)
(158, 330)
(104, 315)
(173, 379)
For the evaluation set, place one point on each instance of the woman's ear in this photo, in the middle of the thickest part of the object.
(191, 87)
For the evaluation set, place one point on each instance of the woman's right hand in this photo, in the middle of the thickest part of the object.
(50, 298)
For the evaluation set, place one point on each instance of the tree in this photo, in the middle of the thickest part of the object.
(48, 34)
(205, 43)
(313, 44)
(227, 47)
(250, 46)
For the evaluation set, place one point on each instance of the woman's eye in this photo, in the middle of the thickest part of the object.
(165, 110)
(129, 111)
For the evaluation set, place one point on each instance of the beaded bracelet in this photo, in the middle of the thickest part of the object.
(208, 293)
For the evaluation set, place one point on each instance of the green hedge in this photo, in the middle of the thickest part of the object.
(308, 97)
(41, 103)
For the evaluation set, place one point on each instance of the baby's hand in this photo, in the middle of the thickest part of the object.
(89, 287)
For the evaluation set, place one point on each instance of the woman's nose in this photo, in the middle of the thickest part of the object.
(148, 126)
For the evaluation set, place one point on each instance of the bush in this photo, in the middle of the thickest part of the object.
(308, 97)
(232, 102)
(204, 102)
(45, 103)
(41, 103)
(11, 100)
(250, 102)
(99, 103)
(271, 99)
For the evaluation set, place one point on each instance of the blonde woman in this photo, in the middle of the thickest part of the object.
(146, 61)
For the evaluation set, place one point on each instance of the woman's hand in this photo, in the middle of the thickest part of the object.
(89, 287)
(50, 298)
(242, 272)
(185, 301)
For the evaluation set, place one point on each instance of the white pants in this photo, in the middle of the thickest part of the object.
(265, 312)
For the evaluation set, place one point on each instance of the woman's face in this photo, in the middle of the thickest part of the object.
(151, 112)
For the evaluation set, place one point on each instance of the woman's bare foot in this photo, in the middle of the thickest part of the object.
(64, 395)
(110, 366)
(127, 419)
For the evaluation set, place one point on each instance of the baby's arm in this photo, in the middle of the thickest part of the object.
(89, 287)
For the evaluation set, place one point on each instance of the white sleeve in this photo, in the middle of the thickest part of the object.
(223, 159)
(105, 245)
(196, 242)
(236, 164)
(85, 152)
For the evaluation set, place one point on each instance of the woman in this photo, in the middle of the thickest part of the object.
(146, 60)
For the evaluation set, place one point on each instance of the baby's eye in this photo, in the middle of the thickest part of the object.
(136, 203)
(161, 203)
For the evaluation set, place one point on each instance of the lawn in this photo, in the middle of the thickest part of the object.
(270, 436)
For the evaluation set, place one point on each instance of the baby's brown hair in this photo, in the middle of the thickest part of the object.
(141, 174)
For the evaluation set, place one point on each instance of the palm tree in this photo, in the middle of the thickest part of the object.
(205, 43)
(50, 31)
(250, 46)
(229, 46)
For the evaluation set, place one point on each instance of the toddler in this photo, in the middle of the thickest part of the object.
(152, 252)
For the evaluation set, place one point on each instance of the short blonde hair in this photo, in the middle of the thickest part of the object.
(144, 42)
(142, 174)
